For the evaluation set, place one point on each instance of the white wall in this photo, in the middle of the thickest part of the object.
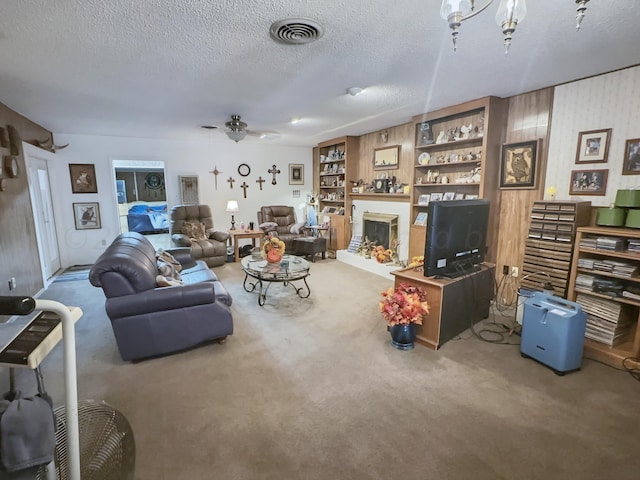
(78, 247)
(402, 209)
(607, 101)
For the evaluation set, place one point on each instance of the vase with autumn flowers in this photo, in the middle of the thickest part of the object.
(273, 249)
(403, 308)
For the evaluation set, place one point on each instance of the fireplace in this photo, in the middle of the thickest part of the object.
(380, 228)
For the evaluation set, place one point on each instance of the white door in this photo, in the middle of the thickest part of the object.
(42, 207)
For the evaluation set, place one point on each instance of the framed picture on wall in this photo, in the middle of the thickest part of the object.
(593, 146)
(296, 174)
(386, 158)
(83, 178)
(631, 165)
(518, 165)
(87, 215)
(588, 182)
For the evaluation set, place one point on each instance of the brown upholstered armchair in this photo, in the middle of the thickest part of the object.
(192, 226)
(283, 222)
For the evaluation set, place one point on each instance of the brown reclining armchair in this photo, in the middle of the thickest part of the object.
(206, 243)
(281, 219)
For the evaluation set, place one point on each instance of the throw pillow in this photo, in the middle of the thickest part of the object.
(297, 227)
(195, 230)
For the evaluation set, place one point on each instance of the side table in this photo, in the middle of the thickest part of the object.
(237, 235)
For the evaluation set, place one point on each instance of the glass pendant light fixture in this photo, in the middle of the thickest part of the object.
(510, 13)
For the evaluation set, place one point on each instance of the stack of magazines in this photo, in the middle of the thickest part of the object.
(607, 321)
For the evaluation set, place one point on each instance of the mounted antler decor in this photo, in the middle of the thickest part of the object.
(49, 145)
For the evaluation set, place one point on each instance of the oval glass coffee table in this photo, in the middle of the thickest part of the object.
(290, 269)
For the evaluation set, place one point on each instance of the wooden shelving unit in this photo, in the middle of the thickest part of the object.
(549, 246)
(630, 308)
(457, 157)
(335, 160)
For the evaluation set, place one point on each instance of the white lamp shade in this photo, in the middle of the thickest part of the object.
(236, 135)
(232, 206)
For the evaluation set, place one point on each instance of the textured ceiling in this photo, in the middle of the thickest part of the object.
(162, 68)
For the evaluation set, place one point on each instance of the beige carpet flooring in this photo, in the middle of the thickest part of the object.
(312, 389)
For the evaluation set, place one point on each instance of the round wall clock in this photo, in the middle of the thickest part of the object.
(244, 169)
(11, 166)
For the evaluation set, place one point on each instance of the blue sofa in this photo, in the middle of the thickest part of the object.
(148, 320)
(145, 218)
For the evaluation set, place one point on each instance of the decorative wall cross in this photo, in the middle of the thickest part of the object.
(260, 180)
(273, 171)
(231, 180)
(244, 187)
(216, 172)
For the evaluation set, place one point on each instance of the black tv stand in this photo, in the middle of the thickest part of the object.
(463, 271)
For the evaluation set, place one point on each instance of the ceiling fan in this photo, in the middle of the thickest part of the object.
(236, 130)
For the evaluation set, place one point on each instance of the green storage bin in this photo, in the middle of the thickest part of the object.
(628, 198)
(633, 219)
(611, 217)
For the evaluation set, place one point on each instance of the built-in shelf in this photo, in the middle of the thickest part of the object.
(455, 143)
(444, 185)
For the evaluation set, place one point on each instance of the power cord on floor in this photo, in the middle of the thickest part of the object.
(493, 332)
(634, 372)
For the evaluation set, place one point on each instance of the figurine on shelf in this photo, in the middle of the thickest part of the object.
(441, 137)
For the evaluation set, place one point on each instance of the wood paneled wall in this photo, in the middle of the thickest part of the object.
(529, 118)
(399, 135)
(18, 247)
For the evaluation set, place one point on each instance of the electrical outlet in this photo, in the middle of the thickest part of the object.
(505, 269)
(514, 271)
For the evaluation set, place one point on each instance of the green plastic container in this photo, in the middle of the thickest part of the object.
(611, 217)
(633, 219)
(628, 198)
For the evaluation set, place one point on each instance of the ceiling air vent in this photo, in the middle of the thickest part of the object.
(296, 31)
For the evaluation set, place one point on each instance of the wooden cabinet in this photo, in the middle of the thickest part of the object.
(454, 304)
(549, 246)
(608, 254)
(339, 232)
(457, 155)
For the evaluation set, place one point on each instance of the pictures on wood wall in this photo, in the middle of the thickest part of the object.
(386, 158)
(593, 146)
(518, 164)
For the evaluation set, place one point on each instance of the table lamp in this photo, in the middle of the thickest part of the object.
(232, 207)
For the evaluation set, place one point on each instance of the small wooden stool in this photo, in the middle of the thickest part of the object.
(310, 246)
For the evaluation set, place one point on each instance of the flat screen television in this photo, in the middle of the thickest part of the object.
(456, 237)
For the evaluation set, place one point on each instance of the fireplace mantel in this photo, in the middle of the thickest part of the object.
(383, 197)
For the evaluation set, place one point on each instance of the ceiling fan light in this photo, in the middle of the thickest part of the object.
(236, 135)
